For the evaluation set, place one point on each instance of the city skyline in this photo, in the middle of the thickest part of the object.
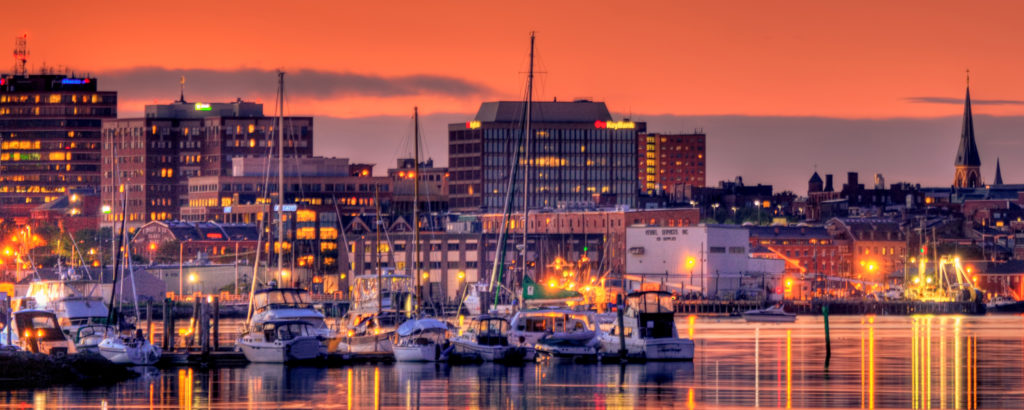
(893, 75)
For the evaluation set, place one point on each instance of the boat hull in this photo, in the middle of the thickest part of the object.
(301, 349)
(136, 354)
(367, 344)
(769, 318)
(423, 353)
(493, 353)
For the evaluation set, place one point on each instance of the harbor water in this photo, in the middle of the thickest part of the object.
(877, 362)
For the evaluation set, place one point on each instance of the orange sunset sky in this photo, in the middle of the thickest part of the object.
(802, 58)
(757, 76)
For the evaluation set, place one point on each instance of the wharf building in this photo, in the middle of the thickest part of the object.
(807, 250)
(670, 162)
(153, 156)
(578, 153)
(50, 133)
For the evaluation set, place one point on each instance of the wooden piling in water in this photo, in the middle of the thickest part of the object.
(149, 321)
(216, 323)
(828, 340)
(166, 328)
(204, 327)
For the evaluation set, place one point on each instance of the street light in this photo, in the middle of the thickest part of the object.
(757, 204)
(192, 281)
(714, 211)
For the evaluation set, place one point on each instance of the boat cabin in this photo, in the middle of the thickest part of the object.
(286, 330)
(555, 321)
(654, 312)
(281, 298)
(491, 331)
(38, 332)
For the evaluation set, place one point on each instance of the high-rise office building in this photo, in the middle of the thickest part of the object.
(579, 156)
(155, 155)
(50, 132)
(669, 162)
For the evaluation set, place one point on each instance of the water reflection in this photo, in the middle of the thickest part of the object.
(885, 362)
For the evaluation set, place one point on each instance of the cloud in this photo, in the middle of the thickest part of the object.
(958, 101)
(143, 83)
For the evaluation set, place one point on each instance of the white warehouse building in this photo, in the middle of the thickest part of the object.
(713, 260)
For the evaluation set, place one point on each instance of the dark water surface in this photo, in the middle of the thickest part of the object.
(877, 362)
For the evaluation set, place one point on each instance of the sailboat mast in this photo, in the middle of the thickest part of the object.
(416, 206)
(376, 225)
(526, 160)
(280, 175)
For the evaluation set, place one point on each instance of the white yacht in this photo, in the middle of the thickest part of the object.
(78, 304)
(277, 304)
(774, 314)
(129, 349)
(563, 332)
(648, 330)
(422, 340)
(486, 338)
(282, 341)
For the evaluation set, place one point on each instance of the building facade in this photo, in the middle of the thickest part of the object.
(50, 132)
(153, 157)
(669, 162)
(578, 155)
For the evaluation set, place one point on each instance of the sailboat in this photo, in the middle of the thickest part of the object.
(281, 323)
(124, 346)
(420, 339)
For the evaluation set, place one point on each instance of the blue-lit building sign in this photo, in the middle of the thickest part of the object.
(74, 81)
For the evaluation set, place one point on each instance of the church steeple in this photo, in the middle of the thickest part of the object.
(999, 174)
(968, 161)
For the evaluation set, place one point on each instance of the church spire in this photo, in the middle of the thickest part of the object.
(999, 174)
(968, 161)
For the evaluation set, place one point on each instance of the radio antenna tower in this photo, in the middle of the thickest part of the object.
(21, 55)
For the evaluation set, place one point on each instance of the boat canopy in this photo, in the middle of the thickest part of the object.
(84, 308)
(420, 326)
(651, 302)
(282, 298)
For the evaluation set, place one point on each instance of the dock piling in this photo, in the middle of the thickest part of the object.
(149, 320)
(216, 323)
(828, 340)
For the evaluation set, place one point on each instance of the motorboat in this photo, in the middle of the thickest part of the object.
(282, 341)
(774, 314)
(568, 348)
(562, 330)
(129, 348)
(648, 330)
(486, 339)
(284, 304)
(422, 340)
(377, 310)
(78, 304)
(38, 331)
(87, 338)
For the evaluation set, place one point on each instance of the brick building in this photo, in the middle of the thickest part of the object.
(669, 162)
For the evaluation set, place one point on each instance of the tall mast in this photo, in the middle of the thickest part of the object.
(280, 175)
(376, 243)
(416, 206)
(526, 160)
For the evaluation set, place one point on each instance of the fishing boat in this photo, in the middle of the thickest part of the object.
(422, 340)
(1004, 304)
(486, 339)
(283, 341)
(774, 314)
(648, 330)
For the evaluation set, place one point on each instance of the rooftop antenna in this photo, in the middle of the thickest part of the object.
(182, 100)
(968, 78)
(21, 55)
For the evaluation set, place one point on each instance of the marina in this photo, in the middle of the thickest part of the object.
(880, 362)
